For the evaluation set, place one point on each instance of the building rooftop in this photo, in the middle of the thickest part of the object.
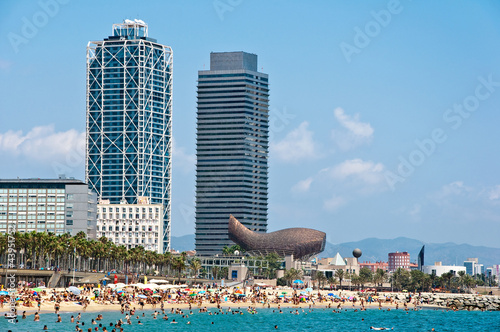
(233, 61)
(10, 182)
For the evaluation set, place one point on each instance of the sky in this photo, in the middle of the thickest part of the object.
(383, 114)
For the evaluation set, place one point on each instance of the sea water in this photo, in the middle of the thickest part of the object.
(318, 319)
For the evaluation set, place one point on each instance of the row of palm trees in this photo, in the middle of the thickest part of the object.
(40, 250)
(401, 279)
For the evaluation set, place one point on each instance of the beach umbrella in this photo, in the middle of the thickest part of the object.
(156, 295)
(37, 289)
(298, 281)
(309, 289)
(74, 290)
(142, 296)
(158, 281)
(201, 292)
(331, 294)
(192, 294)
(283, 292)
(4, 293)
(241, 295)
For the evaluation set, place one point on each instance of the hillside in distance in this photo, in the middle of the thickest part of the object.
(377, 249)
(448, 253)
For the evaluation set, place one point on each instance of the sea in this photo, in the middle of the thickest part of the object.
(317, 319)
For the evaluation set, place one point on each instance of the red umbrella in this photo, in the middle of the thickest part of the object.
(116, 279)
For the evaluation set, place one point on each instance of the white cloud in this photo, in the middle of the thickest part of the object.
(415, 210)
(334, 203)
(365, 171)
(456, 188)
(355, 132)
(43, 143)
(302, 186)
(494, 193)
(182, 160)
(297, 145)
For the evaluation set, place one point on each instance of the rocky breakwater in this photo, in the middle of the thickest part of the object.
(453, 301)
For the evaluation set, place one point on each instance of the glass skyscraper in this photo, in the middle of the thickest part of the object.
(129, 114)
(232, 149)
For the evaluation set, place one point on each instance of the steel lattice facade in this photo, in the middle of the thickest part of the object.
(232, 149)
(129, 118)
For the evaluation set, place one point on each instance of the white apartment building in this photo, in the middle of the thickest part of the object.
(131, 225)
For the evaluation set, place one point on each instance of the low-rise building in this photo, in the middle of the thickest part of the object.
(131, 225)
(473, 267)
(375, 266)
(330, 265)
(399, 260)
(438, 269)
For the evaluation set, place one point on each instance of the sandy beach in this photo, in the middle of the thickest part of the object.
(343, 300)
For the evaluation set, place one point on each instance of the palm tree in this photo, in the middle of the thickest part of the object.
(292, 274)
(332, 281)
(379, 277)
(447, 278)
(321, 278)
(215, 271)
(195, 265)
(179, 264)
(365, 275)
(340, 274)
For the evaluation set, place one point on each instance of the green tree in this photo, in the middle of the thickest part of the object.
(379, 277)
(195, 265)
(340, 275)
(273, 263)
(365, 275)
(447, 276)
(332, 281)
(401, 279)
(179, 264)
(320, 278)
(215, 271)
(291, 275)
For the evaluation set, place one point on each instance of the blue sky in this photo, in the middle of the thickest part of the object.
(384, 114)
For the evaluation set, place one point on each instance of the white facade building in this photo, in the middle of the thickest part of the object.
(439, 269)
(131, 225)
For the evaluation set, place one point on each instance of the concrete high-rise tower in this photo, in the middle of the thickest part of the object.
(232, 149)
(129, 119)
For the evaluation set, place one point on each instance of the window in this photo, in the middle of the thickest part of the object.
(69, 222)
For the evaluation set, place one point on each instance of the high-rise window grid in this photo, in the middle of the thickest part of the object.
(232, 149)
(129, 112)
